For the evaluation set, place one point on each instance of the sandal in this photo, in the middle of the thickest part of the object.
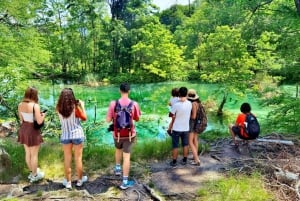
(196, 163)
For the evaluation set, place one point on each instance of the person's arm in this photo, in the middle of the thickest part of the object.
(110, 112)
(137, 112)
(80, 111)
(19, 112)
(39, 116)
(194, 110)
(171, 123)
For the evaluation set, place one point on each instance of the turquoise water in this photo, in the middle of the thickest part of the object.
(153, 100)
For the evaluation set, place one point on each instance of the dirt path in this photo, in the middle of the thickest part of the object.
(180, 183)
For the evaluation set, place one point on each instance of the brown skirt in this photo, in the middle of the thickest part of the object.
(29, 135)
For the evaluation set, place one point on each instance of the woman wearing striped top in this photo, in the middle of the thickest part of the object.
(70, 112)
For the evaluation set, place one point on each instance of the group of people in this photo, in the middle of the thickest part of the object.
(71, 111)
(184, 105)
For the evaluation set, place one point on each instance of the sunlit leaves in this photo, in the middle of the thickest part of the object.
(156, 52)
(223, 57)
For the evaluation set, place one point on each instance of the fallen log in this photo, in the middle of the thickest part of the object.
(285, 176)
(286, 142)
(152, 193)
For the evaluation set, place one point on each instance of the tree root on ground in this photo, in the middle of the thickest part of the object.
(278, 164)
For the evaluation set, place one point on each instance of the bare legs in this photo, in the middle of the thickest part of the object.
(126, 160)
(31, 157)
(193, 143)
(185, 150)
(68, 149)
(232, 134)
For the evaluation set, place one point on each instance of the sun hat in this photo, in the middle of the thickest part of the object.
(192, 94)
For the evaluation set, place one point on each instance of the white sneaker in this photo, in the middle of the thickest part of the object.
(39, 175)
(67, 184)
(30, 175)
(81, 181)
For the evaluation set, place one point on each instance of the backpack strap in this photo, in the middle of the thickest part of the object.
(129, 107)
(117, 108)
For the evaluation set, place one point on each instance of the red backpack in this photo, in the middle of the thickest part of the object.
(123, 121)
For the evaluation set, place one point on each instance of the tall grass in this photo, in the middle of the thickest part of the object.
(95, 157)
(152, 149)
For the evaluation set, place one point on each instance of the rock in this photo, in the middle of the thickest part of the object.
(5, 160)
(6, 129)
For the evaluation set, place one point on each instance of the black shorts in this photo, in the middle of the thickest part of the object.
(237, 131)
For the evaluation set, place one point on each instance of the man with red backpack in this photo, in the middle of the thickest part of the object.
(122, 113)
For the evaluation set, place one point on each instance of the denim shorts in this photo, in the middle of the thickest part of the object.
(184, 136)
(72, 141)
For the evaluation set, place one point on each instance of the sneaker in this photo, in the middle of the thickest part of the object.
(81, 181)
(38, 176)
(30, 175)
(67, 184)
(118, 171)
(173, 164)
(128, 185)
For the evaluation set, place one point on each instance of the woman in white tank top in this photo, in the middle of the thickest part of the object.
(30, 137)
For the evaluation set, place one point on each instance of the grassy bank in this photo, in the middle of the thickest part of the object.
(100, 159)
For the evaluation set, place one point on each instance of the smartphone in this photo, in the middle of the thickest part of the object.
(44, 111)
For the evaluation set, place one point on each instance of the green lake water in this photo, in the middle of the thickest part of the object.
(153, 100)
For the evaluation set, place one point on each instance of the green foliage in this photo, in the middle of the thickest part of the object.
(175, 16)
(223, 58)
(17, 154)
(285, 114)
(213, 135)
(98, 157)
(236, 188)
(156, 53)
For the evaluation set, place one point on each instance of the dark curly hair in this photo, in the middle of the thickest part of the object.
(66, 102)
(245, 108)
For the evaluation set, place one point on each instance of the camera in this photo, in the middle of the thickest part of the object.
(110, 127)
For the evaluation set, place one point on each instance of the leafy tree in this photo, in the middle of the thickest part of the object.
(156, 53)
(174, 16)
(285, 113)
(223, 59)
(23, 50)
(207, 16)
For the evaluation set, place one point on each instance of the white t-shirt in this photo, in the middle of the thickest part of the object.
(173, 100)
(182, 112)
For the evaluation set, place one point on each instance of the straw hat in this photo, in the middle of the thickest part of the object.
(192, 94)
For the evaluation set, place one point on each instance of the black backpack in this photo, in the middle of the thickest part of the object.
(252, 127)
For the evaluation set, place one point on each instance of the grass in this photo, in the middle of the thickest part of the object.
(152, 149)
(94, 157)
(235, 188)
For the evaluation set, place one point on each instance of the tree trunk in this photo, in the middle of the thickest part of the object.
(220, 109)
(297, 4)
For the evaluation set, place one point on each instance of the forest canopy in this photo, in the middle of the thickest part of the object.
(241, 44)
